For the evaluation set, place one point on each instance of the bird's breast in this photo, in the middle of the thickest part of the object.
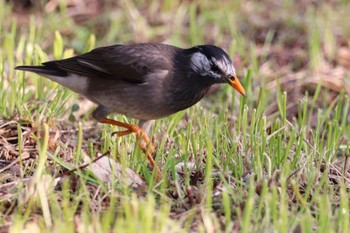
(187, 97)
(144, 101)
(161, 94)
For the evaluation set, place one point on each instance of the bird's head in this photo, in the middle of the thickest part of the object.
(214, 63)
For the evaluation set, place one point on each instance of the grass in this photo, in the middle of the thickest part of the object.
(276, 161)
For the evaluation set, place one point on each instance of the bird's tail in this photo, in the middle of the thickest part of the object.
(43, 70)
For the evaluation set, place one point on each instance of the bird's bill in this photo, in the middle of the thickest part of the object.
(237, 85)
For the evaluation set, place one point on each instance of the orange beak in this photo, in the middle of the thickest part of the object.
(234, 82)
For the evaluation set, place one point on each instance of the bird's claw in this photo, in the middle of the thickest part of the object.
(144, 141)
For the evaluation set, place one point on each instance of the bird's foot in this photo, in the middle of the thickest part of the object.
(144, 141)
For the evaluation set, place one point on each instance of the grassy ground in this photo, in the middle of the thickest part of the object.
(275, 161)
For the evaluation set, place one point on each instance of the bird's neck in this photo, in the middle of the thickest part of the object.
(189, 90)
(186, 87)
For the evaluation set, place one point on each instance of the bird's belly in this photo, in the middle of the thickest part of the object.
(146, 101)
(136, 102)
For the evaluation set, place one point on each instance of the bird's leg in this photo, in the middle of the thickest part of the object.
(146, 147)
(122, 133)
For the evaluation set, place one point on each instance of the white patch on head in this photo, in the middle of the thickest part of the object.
(203, 65)
(200, 63)
(76, 83)
(225, 65)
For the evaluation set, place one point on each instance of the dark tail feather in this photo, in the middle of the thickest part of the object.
(44, 70)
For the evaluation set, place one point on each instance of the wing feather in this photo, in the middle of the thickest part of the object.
(131, 63)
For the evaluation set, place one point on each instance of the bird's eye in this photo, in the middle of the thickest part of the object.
(231, 78)
(216, 69)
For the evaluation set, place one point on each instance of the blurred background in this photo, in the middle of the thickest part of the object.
(293, 58)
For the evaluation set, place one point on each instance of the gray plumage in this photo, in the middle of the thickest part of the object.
(142, 81)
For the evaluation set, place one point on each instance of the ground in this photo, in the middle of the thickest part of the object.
(273, 161)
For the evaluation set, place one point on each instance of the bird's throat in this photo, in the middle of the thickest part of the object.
(189, 94)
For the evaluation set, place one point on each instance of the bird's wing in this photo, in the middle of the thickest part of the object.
(131, 63)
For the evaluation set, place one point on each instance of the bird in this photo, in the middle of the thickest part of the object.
(145, 81)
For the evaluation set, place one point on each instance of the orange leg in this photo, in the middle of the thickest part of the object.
(146, 147)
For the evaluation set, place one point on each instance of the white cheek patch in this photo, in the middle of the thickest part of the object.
(203, 66)
(200, 63)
